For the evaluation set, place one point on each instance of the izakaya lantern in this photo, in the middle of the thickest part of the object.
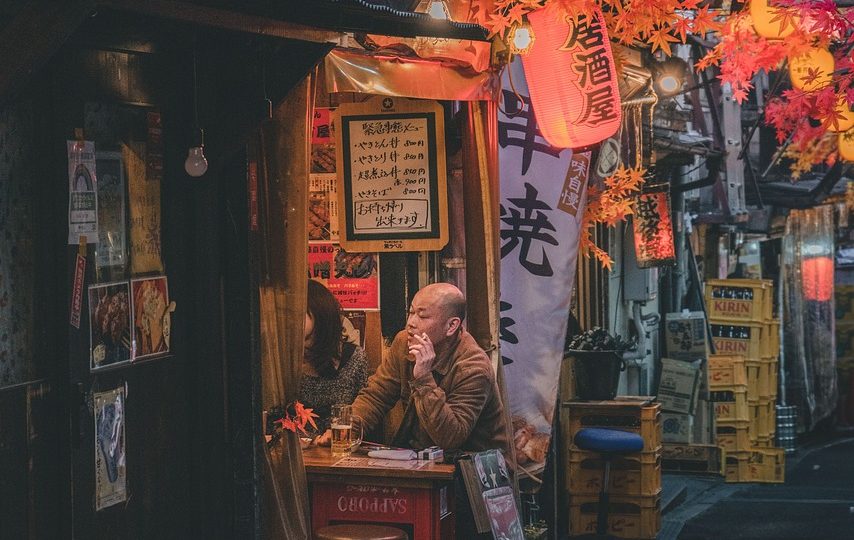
(845, 145)
(653, 228)
(572, 79)
(817, 278)
(812, 70)
(769, 22)
(845, 119)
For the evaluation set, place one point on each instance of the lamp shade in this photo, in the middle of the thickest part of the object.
(845, 145)
(812, 70)
(653, 228)
(845, 119)
(817, 278)
(768, 22)
(572, 79)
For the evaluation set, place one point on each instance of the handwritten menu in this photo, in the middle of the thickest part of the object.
(392, 175)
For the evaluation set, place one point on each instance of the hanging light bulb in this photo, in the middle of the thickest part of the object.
(521, 38)
(196, 163)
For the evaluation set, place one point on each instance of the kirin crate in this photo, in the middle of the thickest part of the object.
(737, 338)
(641, 417)
(739, 299)
(633, 474)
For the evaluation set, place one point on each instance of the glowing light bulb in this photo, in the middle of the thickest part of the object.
(196, 163)
(522, 38)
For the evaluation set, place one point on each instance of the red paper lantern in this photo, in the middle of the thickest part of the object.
(817, 278)
(653, 228)
(572, 79)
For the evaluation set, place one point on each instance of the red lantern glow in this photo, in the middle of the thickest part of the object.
(572, 79)
(817, 278)
(653, 228)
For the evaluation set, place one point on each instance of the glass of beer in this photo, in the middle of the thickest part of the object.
(342, 430)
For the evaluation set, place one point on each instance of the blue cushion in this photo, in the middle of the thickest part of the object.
(608, 440)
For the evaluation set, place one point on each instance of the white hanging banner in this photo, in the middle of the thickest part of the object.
(543, 192)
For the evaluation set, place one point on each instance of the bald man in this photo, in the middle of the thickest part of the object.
(444, 379)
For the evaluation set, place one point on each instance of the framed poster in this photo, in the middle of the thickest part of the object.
(392, 183)
(151, 325)
(109, 324)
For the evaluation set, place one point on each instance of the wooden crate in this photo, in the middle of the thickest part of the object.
(730, 403)
(739, 299)
(632, 474)
(637, 415)
(726, 370)
(737, 338)
(767, 465)
(693, 458)
(734, 436)
(628, 517)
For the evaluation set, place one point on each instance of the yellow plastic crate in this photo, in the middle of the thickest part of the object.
(768, 377)
(726, 370)
(737, 338)
(767, 465)
(637, 417)
(753, 367)
(632, 474)
(739, 299)
(764, 442)
(628, 517)
(730, 403)
(736, 467)
(733, 436)
(771, 341)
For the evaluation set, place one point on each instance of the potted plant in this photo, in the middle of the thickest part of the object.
(598, 358)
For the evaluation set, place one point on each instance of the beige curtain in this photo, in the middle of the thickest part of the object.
(283, 178)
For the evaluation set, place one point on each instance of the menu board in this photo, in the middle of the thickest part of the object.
(392, 175)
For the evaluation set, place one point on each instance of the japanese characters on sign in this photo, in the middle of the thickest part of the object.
(581, 106)
(653, 228)
(353, 278)
(392, 175)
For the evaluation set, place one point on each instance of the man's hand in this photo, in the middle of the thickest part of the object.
(325, 439)
(424, 355)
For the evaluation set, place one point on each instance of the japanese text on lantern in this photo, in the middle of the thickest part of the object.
(586, 41)
(390, 174)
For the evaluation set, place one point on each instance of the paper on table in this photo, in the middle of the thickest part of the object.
(402, 455)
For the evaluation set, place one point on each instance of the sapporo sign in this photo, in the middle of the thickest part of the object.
(392, 181)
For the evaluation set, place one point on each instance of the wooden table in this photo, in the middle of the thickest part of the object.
(420, 501)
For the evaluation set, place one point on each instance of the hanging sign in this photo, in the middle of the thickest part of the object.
(77, 290)
(653, 228)
(353, 278)
(392, 184)
(572, 78)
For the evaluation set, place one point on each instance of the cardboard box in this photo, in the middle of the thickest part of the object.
(677, 428)
(678, 386)
(685, 335)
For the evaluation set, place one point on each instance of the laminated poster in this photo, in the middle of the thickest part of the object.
(109, 324)
(151, 316)
(82, 192)
(110, 465)
(353, 278)
(111, 250)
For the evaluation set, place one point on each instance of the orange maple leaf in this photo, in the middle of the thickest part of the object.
(704, 21)
(661, 39)
(516, 12)
(498, 24)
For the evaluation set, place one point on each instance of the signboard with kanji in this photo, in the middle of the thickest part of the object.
(392, 184)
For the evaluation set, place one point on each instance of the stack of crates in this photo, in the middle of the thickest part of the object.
(743, 377)
(635, 481)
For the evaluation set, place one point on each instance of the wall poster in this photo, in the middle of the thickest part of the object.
(352, 277)
(110, 465)
(111, 250)
(392, 184)
(109, 324)
(82, 192)
(151, 316)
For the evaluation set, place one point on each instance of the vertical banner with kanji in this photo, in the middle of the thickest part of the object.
(543, 192)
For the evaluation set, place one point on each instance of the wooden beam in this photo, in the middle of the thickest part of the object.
(33, 36)
(222, 19)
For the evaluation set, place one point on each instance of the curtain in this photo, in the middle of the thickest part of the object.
(283, 172)
(809, 342)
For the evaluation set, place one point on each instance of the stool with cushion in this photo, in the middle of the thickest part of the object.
(608, 443)
(357, 531)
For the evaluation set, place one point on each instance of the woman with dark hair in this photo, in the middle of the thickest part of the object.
(334, 368)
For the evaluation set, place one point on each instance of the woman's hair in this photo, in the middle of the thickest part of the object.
(326, 313)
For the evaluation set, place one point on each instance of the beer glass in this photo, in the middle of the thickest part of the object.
(343, 440)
